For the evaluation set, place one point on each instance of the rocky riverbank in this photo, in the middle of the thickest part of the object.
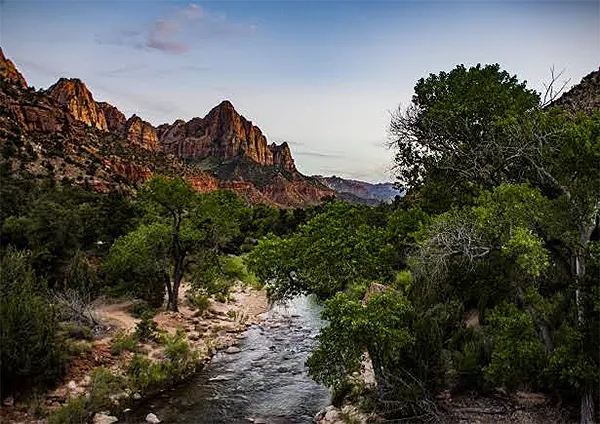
(203, 332)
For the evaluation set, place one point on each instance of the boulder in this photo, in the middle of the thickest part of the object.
(152, 418)
(104, 418)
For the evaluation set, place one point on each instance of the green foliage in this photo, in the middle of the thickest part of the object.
(81, 409)
(31, 352)
(335, 249)
(198, 301)
(452, 126)
(379, 328)
(139, 263)
(123, 342)
(140, 307)
(145, 330)
(77, 331)
(518, 355)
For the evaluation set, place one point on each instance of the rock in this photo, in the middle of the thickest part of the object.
(9, 72)
(232, 349)
(103, 418)
(74, 95)
(9, 401)
(137, 396)
(220, 378)
(152, 418)
(141, 133)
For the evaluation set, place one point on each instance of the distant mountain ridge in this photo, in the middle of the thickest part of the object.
(360, 191)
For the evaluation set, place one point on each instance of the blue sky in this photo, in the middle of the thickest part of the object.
(322, 75)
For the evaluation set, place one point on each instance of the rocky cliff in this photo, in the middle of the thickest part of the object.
(222, 134)
(9, 72)
(75, 96)
(141, 133)
(64, 133)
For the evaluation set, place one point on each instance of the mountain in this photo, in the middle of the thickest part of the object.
(360, 191)
(582, 97)
(66, 133)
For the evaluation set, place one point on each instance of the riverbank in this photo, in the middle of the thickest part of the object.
(194, 335)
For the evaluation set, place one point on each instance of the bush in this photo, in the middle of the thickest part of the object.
(31, 353)
(518, 355)
(77, 331)
(123, 342)
(81, 409)
(199, 301)
(73, 412)
(145, 330)
(140, 307)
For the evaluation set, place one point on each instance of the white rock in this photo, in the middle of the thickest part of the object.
(152, 419)
(103, 418)
(232, 349)
(137, 396)
(72, 385)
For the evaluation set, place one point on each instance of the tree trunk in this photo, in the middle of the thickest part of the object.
(177, 276)
(383, 385)
(587, 407)
(587, 401)
(169, 291)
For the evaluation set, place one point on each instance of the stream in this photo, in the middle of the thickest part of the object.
(266, 382)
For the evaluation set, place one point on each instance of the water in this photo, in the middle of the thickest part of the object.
(266, 381)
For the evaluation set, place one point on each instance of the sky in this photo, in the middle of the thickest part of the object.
(322, 75)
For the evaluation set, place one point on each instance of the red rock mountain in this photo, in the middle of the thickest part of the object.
(75, 96)
(9, 72)
(223, 134)
(65, 133)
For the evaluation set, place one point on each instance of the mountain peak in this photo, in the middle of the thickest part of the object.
(9, 72)
(73, 94)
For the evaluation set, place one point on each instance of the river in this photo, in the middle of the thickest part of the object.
(266, 381)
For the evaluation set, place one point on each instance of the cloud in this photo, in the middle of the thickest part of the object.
(177, 32)
(319, 154)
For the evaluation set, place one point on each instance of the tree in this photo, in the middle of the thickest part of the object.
(450, 130)
(173, 198)
(336, 249)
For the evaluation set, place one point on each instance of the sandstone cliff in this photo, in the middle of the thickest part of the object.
(222, 134)
(115, 119)
(75, 96)
(141, 133)
(9, 72)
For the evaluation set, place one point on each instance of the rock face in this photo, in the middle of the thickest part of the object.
(282, 156)
(115, 119)
(222, 134)
(9, 72)
(584, 97)
(141, 133)
(75, 96)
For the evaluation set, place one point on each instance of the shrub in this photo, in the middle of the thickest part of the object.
(145, 330)
(517, 352)
(123, 342)
(77, 331)
(30, 349)
(73, 412)
(199, 301)
(140, 307)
